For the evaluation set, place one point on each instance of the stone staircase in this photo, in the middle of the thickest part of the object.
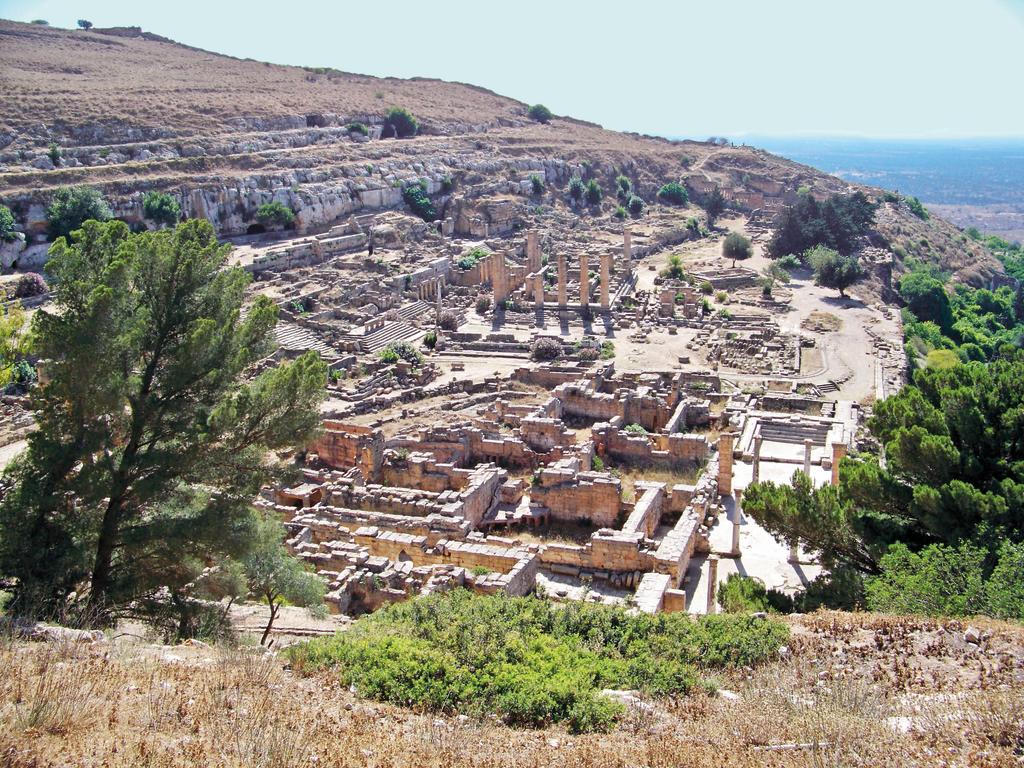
(795, 431)
(395, 330)
(295, 338)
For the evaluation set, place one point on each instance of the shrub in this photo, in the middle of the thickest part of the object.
(469, 258)
(6, 224)
(576, 188)
(674, 267)
(540, 113)
(743, 594)
(449, 321)
(596, 463)
(636, 205)
(693, 225)
(722, 297)
(536, 184)
(483, 305)
(447, 185)
(161, 208)
(706, 287)
(789, 262)
(54, 153)
(623, 187)
(275, 214)
(916, 207)
(30, 284)
(401, 350)
(608, 350)
(593, 192)
(430, 340)
(71, 206)
(401, 123)
(634, 429)
(620, 212)
(530, 661)
(415, 196)
(674, 193)
(546, 348)
(356, 127)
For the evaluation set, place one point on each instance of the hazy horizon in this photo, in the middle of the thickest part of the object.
(915, 70)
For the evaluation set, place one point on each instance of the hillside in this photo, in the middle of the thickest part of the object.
(131, 111)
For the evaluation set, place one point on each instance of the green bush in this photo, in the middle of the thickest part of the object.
(620, 212)
(536, 184)
(576, 188)
(54, 153)
(674, 193)
(540, 113)
(483, 305)
(71, 206)
(469, 258)
(275, 214)
(916, 207)
(634, 429)
(593, 192)
(635, 205)
(356, 127)
(789, 262)
(596, 463)
(430, 340)
(161, 208)
(447, 185)
(674, 267)
(401, 123)
(944, 580)
(528, 660)
(400, 350)
(6, 224)
(623, 187)
(419, 202)
(743, 594)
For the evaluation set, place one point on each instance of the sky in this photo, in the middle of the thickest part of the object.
(688, 68)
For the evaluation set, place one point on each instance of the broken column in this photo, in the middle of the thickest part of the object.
(562, 300)
(437, 307)
(606, 259)
(838, 452)
(712, 582)
(756, 475)
(532, 251)
(794, 551)
(538, 290)
(627, 248)
(736, 514)
(725, 463)
(584, 280)
(808, 445)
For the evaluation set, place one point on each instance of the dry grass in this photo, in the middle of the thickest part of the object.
(141, 706)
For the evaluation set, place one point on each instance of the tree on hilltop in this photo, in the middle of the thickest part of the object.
(84, 24)
(540, 113)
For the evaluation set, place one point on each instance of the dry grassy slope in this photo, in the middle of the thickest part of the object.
(853, 690)
(127, 90)
(75, 78)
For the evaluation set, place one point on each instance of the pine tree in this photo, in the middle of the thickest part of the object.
(151, 440)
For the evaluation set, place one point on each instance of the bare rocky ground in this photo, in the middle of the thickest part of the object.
(849, 689)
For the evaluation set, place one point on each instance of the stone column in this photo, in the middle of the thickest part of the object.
(725, 463)
(562, 299)
(532, 251)
(499, 278)
(712, 582)
(808, 445)
(584, 280)
(606, 259)
(838, 452)
(437, 307)
(538, 290)
(627, 248)
(794, 551)
(756, 476)
(736, 516)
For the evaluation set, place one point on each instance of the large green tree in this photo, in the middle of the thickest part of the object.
(152, 437)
